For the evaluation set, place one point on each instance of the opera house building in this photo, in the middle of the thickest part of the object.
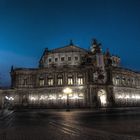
(75, 77)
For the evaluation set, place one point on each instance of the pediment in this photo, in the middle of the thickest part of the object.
(69, 48)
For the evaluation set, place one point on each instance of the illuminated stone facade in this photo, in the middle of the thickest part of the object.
(94, 78)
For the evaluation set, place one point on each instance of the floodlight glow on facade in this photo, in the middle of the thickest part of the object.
(67, 90)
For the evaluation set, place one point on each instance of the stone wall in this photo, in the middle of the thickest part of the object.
(43, 97)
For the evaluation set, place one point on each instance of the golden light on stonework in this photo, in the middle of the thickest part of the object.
(102, 96)
(67, 90)
(60, 96)
(64, 97)
(9, 98)
(81, 95)
(70, 95)
(75, 97)
(43, 97)
(127, 96)
(103, 99)
(80, 87)
(52, 97)
(33, 98)
(137, 96)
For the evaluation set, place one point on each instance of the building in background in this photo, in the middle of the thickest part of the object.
(73, 76)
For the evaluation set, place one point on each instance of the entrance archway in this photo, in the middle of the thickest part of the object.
(102, 96)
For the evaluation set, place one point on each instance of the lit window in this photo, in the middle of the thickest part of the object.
(117, 80)
(69, 58)
(60, 81)
(123, 80)
(62, 58)
(50, 82)
(81, 95)
(80, 81)
(70, 81)
(41, 82)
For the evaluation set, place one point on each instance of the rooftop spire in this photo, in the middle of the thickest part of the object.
(94, 42)
(108, 53)
(95, 46)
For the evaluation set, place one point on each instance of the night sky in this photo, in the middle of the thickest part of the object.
(29, 26)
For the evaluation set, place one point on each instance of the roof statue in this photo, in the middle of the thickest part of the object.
(71, 43)
(95, 46)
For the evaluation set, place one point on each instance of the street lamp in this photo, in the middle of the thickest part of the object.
(8, 102)
(67, 91)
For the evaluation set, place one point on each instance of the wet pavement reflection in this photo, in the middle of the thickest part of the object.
(45, 124)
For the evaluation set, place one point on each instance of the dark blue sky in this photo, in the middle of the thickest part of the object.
(29, 26)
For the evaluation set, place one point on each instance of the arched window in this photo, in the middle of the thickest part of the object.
(41, 81)
(128, 81)
(123, 80)
(117, 80)
(70, 79)
(50, 80)
(80, 80)
(60, 79)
